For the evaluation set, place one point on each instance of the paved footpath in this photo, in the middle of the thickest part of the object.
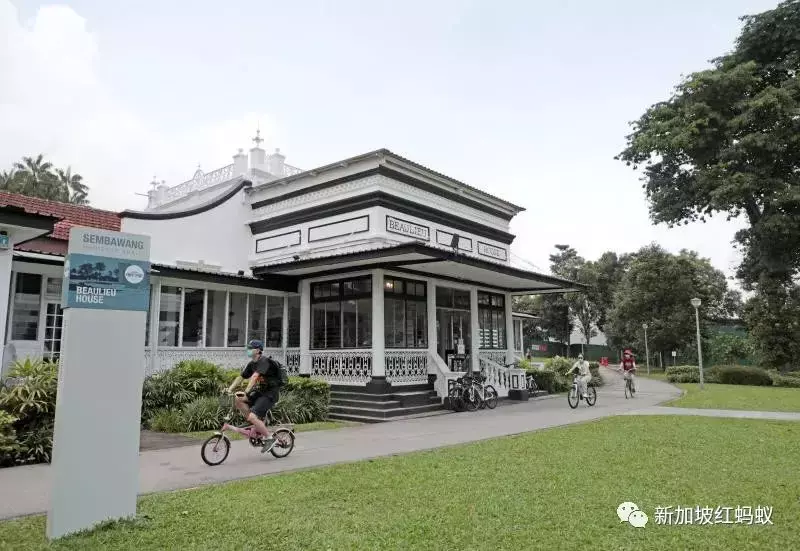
(25, 490)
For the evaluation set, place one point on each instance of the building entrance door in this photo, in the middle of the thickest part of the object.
(453, 323)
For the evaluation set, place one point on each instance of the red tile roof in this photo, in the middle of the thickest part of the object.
(70, 215)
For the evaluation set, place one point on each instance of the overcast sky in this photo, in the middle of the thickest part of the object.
(528, 100)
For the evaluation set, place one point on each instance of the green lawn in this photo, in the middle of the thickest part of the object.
(654, 374)
(303, 427)
(755, 398)
(523, 492)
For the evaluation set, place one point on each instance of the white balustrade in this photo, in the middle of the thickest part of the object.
(342, 366)
(406, 366)
(292, 362)
(227, 358)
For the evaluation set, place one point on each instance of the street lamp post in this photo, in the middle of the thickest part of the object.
(646, 348)
(696, 303)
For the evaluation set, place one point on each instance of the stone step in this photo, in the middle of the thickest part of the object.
(382, 413)
(360, 403)
(371, 419)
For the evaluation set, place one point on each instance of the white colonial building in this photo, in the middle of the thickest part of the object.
(377, 274)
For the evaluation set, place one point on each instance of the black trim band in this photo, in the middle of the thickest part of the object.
(379, 199)
(389, 173)
(15, 216)
(191, 212)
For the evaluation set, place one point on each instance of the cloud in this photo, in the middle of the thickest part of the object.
(53, 101)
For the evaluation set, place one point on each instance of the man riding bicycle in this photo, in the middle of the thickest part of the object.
(628, 367)
(264, 380)
(584, 374)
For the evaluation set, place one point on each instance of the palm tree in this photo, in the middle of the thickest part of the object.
(9, 181)
(73, 186)
(36, 178)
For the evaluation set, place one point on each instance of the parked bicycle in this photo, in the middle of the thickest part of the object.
(574, 397)
(479, 395)
(216, 448)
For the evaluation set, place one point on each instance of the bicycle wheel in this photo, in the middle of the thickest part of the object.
(633, 388)
(471, 399)
(215, 450)
(591, 396)
(480, 394)
(627, 389)
(531, 384)
(490, 397)
(572, 397)
(284, 443)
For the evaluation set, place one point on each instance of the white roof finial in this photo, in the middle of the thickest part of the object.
(257, 140)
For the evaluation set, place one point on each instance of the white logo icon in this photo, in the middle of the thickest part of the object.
(134, 274)
(630, 512)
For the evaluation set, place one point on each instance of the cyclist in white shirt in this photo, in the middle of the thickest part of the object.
(584, 374)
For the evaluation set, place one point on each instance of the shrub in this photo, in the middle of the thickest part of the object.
(31, 400)
(173, 389)
(558, 364)
(741, 375)
(8, 438)
(204, 413)
(549, 380)
(166, 420)
(785, 381)
(691, 374)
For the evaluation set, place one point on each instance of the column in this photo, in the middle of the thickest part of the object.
(509, 329)
(433, 335)
(378, 383)
(6, 260)
(305, 328)
(475, 348)
(155, 313)
(285, 327)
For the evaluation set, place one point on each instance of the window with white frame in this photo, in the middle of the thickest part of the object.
(405, 313)
(191, 317)
(341, 314)
(293, 338)
(492, 318)
(517, 334)
(26, 307)
(53, 324)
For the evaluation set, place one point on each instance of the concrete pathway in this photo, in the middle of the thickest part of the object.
(25, 490)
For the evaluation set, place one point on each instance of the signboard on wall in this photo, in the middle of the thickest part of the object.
(107, 271)
(4, 241)
(410, 229)
(491, 251)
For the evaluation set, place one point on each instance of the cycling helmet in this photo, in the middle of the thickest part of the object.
(256, 344)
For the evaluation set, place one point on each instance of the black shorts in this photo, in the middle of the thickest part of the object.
(261, 402)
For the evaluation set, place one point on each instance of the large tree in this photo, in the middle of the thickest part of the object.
(657, 289)
(728, 142)
(35, 177)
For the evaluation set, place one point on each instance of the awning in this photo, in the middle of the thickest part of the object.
(424, 260)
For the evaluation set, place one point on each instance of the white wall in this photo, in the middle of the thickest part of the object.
(219, 236)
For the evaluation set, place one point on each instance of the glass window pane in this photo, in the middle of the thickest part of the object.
(54, 286)
(334, 289)
(215, 318)
(293, 340)
(169, 316)
(483, 299)
(364, 322)
(237, 324)
(349, 324)
(257, 314)
(388, 286)
(394, 322)
(333, 325)
(444, 297)
(318, 325)
(193, 317)
(416, 324)
(274, 322)
(420, 289)
(461, 299)
(26, 308)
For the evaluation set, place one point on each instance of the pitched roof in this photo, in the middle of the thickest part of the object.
(70, 215)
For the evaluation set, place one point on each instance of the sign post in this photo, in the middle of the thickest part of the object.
(95, 463)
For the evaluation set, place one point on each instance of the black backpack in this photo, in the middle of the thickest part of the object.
(284, 375)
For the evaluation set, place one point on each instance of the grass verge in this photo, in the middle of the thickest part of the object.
(551, 489)
(742, 397)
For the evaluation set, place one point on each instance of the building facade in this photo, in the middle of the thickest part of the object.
(372, 272)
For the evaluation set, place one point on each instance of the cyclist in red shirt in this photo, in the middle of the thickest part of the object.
(628, 366)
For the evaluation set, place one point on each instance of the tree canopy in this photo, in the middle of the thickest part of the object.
(728, 142)
(35, 177)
